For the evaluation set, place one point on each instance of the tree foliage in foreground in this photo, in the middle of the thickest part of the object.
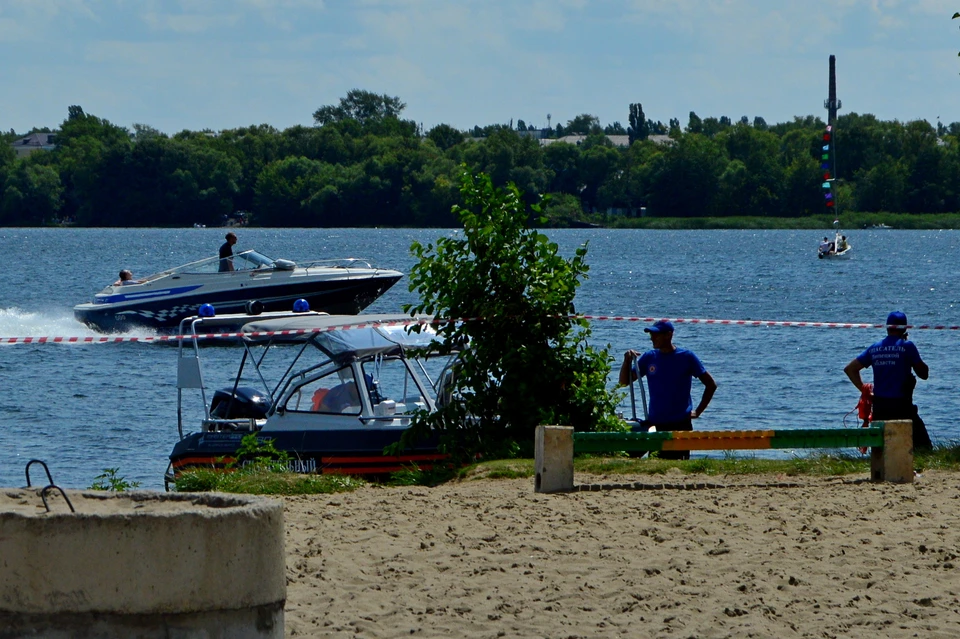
(528, 361)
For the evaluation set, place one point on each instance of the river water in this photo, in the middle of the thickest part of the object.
(85, 408)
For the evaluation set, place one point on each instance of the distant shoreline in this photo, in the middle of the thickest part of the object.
(850, 222)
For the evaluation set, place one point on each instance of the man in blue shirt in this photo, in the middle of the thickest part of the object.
(669, 371)
(893, 358)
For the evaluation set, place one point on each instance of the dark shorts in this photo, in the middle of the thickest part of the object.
(683, 424)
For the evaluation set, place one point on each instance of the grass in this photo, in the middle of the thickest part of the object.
(263, 481)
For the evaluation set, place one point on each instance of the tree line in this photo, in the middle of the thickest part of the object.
(362, 164)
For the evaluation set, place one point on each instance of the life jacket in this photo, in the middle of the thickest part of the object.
(865, 405)
(317, 399)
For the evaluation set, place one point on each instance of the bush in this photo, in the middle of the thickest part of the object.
(528, 361)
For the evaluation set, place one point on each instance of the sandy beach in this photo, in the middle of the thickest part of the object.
(657, 556)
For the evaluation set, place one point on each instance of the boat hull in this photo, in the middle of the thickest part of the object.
(163, 312)
(349, 451)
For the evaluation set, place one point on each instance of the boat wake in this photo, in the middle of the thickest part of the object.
(16, 322)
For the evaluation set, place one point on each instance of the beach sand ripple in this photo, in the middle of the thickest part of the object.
(675, 556)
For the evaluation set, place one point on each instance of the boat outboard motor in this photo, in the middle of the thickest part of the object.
(246, 403)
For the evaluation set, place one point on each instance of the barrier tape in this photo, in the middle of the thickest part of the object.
(200, 336)
(294, 333)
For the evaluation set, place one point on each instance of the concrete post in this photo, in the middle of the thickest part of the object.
(894, 462)
(553, 459)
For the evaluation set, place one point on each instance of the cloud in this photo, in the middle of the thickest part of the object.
(189, 23)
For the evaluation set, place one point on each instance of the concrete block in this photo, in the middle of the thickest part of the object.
(894, 462)
(141, 564)
(553, 459)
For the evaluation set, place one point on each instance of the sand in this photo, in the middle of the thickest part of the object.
(678, 556)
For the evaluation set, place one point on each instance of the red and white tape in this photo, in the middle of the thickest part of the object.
(681, 320)
(677, 320)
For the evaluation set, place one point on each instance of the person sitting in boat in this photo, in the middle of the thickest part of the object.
(126, 277)
(340, 397)
(842, 244)
(826, 247)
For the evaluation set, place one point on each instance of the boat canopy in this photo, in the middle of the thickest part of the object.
(348, 335)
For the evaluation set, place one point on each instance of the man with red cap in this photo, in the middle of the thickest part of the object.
(892, 359)
(669, 371)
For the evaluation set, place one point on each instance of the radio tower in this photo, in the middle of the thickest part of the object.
(832, 104)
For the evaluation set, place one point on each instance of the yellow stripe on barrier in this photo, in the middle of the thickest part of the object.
(719, 440)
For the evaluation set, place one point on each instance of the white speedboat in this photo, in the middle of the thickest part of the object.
(250, 282)
(348, 388)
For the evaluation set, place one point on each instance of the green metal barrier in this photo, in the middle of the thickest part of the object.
(729, 440)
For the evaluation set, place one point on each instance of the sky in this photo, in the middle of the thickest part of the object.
(223, 64)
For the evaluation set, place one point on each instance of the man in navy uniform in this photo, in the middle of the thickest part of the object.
(894, 360)
(669, 371)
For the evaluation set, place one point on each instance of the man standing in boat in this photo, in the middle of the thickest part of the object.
(892, 359)
(226, 252)
(669, 371)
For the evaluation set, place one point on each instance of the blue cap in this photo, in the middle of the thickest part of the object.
(897, 318)
(663, 326)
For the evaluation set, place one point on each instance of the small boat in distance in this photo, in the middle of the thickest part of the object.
(839, 246)
(879, 227)
(252, 281)
(348, 388)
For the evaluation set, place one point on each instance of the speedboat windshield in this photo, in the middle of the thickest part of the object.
(242, 261)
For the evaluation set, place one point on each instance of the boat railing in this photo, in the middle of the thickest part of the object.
(229, 425)
(342, 262)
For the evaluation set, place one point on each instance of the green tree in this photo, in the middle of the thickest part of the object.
(597, 165)
(445, 136)
(562, 210)
(685, 179)
(583, 124)
(562, 162)
(30, 195)
(882, 188)
(507, 157)
(7, 155)
(756, 190)
(83, 142)
(638, 129)
(801, 193)
(528, 362)
(615, 129)
(362, 106)
(284, 186)
(675, 131)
